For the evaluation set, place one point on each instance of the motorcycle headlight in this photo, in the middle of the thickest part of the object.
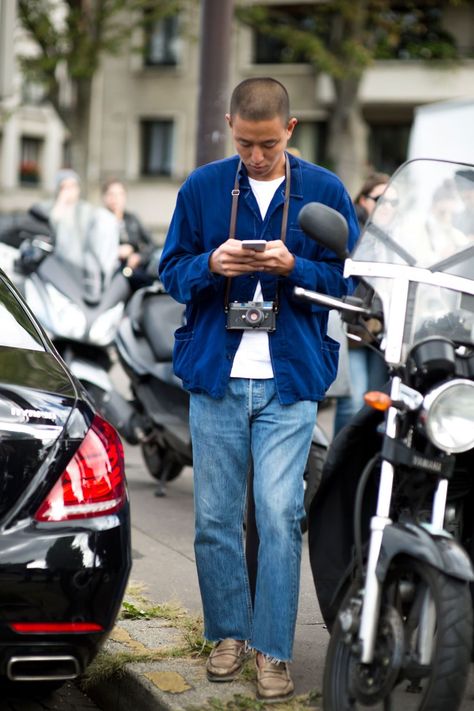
(448, 413)
(68, 319)
(60, 316)
(103, 330)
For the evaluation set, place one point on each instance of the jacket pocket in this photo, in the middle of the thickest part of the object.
(297, 240)
(183, 352)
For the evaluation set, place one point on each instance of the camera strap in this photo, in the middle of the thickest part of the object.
(233, 221)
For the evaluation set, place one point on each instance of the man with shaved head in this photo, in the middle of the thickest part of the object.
(260, 99)
(256, 361)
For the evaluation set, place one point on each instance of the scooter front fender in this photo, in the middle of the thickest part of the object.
(90, 373)
(438, 550)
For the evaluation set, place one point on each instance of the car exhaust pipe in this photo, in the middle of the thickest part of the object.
(43, 668)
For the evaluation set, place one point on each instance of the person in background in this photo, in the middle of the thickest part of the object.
(464, 182)
(366, 199)
(441, 230)
(254, 390)
(136, 243)
(83, 235)
(367, 370)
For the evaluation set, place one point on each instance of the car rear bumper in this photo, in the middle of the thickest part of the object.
(55, 575)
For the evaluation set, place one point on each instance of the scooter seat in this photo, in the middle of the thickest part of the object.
(161, 315)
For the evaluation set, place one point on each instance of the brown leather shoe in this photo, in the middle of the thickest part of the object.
(274, 682)
(226, 660)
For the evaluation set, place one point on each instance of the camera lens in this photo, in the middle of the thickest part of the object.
(254, 317)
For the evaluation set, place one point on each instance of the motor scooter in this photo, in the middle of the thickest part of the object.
(80, 313)
(395, 576)
(144, 343)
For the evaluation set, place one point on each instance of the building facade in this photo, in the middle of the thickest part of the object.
(144, 112)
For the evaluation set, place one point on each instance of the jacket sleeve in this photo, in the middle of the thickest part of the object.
(325, 274)
(103, 239)
(184, 266)
(143, 241)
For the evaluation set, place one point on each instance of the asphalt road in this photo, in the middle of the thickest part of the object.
(68, 698)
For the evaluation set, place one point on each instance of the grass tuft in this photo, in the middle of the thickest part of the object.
(111, 665)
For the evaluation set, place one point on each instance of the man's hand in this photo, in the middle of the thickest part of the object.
(230, 259)
(125, 250)
(276, 259)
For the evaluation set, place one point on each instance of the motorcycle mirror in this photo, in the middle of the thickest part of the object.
(326, 226)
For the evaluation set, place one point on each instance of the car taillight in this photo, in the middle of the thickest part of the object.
(93, 483)
(55, 627)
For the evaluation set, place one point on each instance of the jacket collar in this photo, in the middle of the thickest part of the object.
(296, 177)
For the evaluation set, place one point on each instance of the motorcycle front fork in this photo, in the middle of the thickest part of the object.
(370, 610)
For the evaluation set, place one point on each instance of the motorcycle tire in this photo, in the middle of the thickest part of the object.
(312, 478)
(155, 461)
(349, 685)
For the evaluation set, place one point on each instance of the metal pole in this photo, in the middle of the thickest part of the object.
(215, 37)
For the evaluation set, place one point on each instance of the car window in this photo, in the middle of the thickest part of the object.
(16, 328)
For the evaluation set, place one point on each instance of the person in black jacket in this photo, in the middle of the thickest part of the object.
(136, 243)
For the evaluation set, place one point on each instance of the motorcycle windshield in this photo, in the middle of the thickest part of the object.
(425, 220)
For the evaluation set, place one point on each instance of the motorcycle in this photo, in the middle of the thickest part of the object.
(144, 343)
(395, 577)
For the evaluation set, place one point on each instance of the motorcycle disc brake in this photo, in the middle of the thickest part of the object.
(371, 683)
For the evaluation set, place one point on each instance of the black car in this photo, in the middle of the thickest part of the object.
(65, 552)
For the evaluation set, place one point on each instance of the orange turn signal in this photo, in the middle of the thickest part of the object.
(378, 400)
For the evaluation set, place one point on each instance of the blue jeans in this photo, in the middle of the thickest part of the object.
(250, 422)
(368, 371)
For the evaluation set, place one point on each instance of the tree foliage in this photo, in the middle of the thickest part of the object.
(70, 37)
(342, 38)
(76, 33)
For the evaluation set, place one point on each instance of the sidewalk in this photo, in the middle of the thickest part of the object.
(154, 660)
(158, 664)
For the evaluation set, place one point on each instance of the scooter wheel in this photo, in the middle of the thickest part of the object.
(312, 478)
(158, 464)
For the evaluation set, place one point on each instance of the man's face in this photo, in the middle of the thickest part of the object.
(468, 198)
(69, 191)
(115, 197)
(261, 145)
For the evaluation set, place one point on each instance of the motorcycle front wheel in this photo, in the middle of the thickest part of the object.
(398, 678)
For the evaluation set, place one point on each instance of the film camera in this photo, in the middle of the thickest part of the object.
(249, 315)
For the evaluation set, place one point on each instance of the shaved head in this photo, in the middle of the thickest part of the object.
(260, 99)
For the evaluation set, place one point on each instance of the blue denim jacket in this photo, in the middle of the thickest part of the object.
(304, 358)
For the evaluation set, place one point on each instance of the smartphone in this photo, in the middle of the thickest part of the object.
(257, 244)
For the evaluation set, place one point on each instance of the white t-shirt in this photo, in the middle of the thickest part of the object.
(252, 359)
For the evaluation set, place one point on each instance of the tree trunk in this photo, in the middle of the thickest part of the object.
(348, 150)
(76, 118)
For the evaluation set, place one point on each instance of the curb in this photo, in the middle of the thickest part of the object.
(126, 691)
(161, 687)
(156, 681)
